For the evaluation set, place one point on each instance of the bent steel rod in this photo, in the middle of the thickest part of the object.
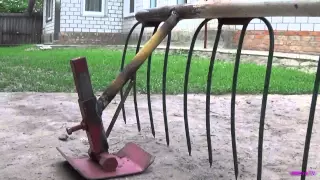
(116, 114)
(135, 82)
(164, 85)
(265, 95)
(310, 122)
(130, 69)
(186, 81)
(148, 88)
(209, 81)
(233, 97)
(122, 65)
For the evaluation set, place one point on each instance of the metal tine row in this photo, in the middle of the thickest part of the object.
(209, 81)
(134, 77)
(233, 95)
(148, 80)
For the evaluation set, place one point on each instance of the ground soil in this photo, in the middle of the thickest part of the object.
(30, 124)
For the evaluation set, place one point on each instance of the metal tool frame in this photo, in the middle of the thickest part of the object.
(228, 12)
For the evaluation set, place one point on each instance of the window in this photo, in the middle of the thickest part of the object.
(128, 8)
(93, 7)
(49, 10)
(153, 3)
(181, 1)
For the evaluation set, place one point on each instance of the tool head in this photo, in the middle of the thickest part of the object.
(131, 159)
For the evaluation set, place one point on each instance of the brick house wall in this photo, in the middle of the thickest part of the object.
(79, 27)
(184, 25)
(292, 34)
(76, 27)
(181, 33)
(73, 19)
(70, 25)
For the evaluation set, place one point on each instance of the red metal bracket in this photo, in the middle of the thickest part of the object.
(100, 164)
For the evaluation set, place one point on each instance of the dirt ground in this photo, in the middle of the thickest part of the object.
(30, 124)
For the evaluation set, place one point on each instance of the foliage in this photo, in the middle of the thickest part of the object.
(18, 6)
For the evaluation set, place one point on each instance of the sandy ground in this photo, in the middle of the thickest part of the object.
(30, 124)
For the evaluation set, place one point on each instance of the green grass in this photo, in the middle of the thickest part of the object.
(49, 71)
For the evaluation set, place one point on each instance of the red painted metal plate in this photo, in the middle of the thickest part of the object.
(132, 159)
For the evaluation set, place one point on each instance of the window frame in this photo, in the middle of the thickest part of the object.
(49, 10)
(126, 8)
(93, 13)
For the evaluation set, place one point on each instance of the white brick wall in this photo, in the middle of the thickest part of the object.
(278, 23)
(72, 19)
(48, 27)
(287, 24)
(184, 25)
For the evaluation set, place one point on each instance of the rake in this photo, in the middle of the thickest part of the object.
(132, 159)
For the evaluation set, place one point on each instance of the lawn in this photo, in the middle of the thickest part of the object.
(49, 71)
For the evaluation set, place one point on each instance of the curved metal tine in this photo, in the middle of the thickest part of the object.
(233, 99)
(164, 80)
(148, 87)
(134, 82)
(116, 114)
(265, 95)
(186, 79)
(310, 121)
(122, 65)
(209, 80)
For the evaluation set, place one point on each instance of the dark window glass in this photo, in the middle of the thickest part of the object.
(93, 5)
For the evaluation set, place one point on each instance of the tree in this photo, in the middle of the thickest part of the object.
(30, 7)
(21, 6)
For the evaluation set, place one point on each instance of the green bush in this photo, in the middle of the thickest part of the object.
(18, 6)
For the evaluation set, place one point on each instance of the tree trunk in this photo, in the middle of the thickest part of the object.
(30, 7)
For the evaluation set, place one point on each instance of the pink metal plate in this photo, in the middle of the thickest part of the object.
(132, 159)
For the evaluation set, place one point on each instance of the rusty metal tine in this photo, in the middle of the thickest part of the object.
(310, 121)
(186, 80)
(164, 81)
(140, 38)
(265, 95)
(122, 65)
(209, 80)
(148, 87)
(130, 69)
(233, 100)
(116, 114)
(135, 84)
